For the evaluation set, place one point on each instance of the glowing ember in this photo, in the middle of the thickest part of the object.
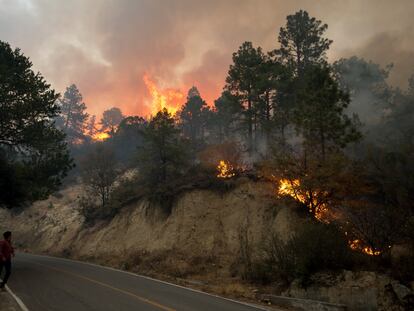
(170, 99)
(101, 136)
(310, 199)
(225, 170)
(358, 245)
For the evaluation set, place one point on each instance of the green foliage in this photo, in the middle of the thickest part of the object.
(11, 182)
(242, 82)
(302, 42)
(194, 116)
(163, 157)
(128, 137)
(34, 157)
(319, 114)
(223, 123)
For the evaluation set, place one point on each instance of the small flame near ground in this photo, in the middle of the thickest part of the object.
(225, 169)
(357, 245)
(101, 136)
(290, 188)
(170, 99)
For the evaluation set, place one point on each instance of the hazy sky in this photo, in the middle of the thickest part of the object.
(106, 46)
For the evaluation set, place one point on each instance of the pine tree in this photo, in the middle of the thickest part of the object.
(225, 118)
(243, 82)
(320, 113)
(73, 115)
(162, 157)
(302, 42)
(193, 116)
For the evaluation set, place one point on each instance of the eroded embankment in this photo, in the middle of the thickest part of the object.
(201, 223)
(199, 241)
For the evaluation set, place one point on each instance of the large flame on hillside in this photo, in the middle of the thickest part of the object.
(170, 99)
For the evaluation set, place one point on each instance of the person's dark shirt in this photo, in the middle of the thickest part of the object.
(6, 250)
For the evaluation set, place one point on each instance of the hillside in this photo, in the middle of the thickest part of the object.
(198, 245)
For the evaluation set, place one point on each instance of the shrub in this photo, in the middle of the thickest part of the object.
(93, 212)
(315, 247)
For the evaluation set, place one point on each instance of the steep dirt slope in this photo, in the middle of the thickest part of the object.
(201, 223)
(199, 241)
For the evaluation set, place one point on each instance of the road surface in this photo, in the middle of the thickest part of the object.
(48, 283)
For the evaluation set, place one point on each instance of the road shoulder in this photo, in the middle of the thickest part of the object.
(7, 302)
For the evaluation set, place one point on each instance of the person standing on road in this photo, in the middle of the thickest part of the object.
(6, 253)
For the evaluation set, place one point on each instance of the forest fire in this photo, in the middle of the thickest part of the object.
(170, 99)
(100, 136)
(357, 245)
(291, 188)
(225, 170)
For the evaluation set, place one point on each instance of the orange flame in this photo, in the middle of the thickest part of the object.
(358, 245)
(225, 170)
(101, 136)
(292, 188)
(171, 99)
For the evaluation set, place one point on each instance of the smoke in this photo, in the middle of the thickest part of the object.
(391, 48)
(106, 46)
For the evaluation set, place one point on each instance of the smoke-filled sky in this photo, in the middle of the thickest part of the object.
(106, 46)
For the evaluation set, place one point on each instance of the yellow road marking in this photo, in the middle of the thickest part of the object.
(150, 302)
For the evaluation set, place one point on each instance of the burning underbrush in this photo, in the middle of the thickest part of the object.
(318, 204)
(101, 136)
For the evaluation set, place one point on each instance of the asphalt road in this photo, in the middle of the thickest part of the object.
(48, 283)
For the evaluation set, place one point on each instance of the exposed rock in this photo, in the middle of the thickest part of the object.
(404, 295)
(401, 291)
(286, 222)
(357, 290)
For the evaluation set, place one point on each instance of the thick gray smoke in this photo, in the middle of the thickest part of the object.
(106, 46)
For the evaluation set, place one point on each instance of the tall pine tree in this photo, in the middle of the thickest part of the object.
(73, 115)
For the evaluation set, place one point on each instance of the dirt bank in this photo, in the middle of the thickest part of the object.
(197, 244)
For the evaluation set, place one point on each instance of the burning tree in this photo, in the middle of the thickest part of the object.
(318, 187)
